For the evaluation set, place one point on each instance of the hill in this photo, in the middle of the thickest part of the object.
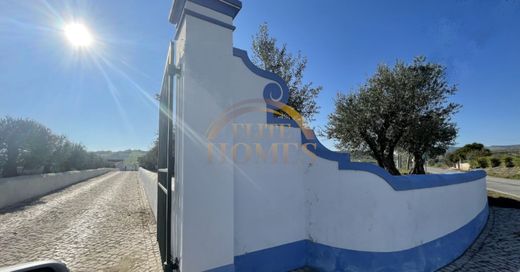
(502, 148)
(129, 157)
(495, 148)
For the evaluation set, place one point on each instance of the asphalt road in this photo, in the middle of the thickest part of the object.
(504, 186)
(102, 224)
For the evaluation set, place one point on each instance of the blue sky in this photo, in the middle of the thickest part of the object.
(104, 98)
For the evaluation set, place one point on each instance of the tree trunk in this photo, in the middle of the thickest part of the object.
(418, 167)
(385, 161)
(390, 165)
(380, 162)
(379, 157)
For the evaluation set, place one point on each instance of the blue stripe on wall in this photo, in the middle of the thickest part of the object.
(280, 258)
(427, 257)
(225, 268)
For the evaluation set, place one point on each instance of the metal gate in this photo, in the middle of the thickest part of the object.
(166, 164)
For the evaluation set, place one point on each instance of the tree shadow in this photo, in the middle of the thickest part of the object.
(24, 205)
(503, 202)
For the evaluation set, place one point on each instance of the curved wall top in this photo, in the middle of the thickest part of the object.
(399, 183)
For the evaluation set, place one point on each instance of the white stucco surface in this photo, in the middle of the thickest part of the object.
(204, 192)
(226, 206)
(359, 210)
(148, 180)
(16, 189)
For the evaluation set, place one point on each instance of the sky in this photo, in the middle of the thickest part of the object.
(103, 96)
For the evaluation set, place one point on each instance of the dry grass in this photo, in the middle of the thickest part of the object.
(504, 172)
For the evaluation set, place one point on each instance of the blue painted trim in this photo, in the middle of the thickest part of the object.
(236, 3)
(280, 258)
(225, 268)
(242, 54)
(227, 7)
(202, 17)
(398, 183)
(176, 11)
(207, 18)
(427, 257)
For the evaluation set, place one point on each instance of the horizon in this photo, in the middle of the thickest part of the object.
(103, 98)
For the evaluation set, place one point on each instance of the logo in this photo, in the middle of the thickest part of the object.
(232, 137)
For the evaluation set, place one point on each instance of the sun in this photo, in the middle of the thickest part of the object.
(78, 35)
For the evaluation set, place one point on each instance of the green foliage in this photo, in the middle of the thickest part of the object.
(470, 152)
(453, 159)
(129, 157)
(150, 159)
(482, 162)
(15, 135)
(495, 162)
(37, 146)
(29, 145)
(404, 106)
(509, 162)
(270, 56)
(473, 151)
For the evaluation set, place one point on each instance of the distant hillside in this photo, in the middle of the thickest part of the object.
(495, 148)
(129, 157)
(504, 147)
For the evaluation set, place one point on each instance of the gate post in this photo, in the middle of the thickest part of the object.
(204, 216)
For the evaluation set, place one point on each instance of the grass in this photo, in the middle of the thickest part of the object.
(504, 172)
(501, 171)
(404, 171)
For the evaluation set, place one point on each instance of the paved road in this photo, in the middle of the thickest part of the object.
(102, 224)
(501, 185)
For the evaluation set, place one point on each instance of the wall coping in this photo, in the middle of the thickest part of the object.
(227, 7)
(399, 183)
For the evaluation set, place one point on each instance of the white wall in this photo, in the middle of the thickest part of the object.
(359, 210)
(279, 203)
(17, 189)
(148, 180)
(205, 190)
(232, 207)
(269, 196)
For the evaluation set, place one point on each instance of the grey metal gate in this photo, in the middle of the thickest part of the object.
(166, 164)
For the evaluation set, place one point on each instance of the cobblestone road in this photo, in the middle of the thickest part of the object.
(102, 224)
(498, 246)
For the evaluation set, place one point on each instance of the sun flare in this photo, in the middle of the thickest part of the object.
(78, 35)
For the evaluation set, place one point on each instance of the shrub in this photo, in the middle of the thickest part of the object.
(30, 146)
(495, 162)
(482, 163)
(473, 164)
(509, 162)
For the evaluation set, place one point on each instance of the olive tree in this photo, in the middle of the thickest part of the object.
(270, 56)
(405, 106)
